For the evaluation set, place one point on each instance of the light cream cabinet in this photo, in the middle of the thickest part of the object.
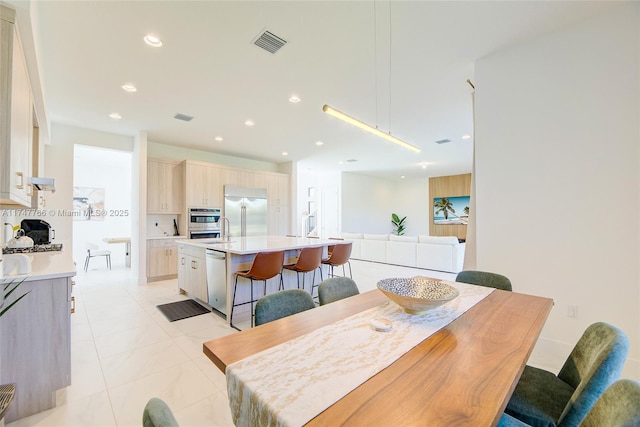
(203, 187)
(278, 203)
(16, 120)
(36, 345)
(165, 187)
(192, 273)
(162, 258)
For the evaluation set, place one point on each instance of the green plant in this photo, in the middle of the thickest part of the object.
(8, 289)
(398, 224)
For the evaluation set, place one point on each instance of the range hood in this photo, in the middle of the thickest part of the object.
(43, 184)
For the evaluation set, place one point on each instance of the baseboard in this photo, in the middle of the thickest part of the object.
(551, 355)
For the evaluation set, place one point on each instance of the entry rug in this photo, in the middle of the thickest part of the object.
(289, 384)
(182, 310)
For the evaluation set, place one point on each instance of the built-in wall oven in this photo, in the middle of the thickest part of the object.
(204, 223)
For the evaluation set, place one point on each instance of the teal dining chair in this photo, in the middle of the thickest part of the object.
(619, 406)
(282, 304)
(544, 399)
(336, 288)
(158, 414)
(484, 278)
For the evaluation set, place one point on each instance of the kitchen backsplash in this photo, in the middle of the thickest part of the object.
(161, 225)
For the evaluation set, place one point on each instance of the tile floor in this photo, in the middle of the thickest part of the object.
(124, 351)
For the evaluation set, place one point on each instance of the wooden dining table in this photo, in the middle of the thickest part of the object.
(463, 375)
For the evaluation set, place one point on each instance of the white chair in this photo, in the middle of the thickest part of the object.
(93, 251)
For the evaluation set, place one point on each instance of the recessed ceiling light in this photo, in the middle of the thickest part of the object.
(218, 138)
(340, 162)
(249, 122)
(319, 143)
(152, 40)
(424, 166)
(402, 177)
(294, 98)
(115, 116)
(284, 153)
(129, 87)
(466, 136)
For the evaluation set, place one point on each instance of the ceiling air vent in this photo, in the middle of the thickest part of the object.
(269, 42)
(183, 117)
(351, 160)
(443, 141)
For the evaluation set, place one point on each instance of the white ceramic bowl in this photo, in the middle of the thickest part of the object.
(417, 294)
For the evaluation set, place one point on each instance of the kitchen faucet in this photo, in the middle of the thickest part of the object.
(224, 230)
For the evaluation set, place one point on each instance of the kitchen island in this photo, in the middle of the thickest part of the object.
(206, 267)
(35, 348)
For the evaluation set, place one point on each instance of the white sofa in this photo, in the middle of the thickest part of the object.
(442, 253)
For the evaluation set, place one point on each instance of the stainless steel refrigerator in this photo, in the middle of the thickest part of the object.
(246, 209)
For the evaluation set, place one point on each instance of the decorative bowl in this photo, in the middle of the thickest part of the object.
(417, 294)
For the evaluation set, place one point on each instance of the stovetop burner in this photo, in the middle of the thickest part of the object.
(50, 247)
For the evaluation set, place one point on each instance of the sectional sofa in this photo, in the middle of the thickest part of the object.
(442, 253)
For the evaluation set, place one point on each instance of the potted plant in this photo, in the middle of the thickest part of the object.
(398, 224)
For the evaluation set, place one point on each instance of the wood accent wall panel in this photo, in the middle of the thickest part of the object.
(448, 186)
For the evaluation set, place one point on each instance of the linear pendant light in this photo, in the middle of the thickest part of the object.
(362, 125)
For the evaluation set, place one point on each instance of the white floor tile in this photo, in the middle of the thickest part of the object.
(140, 336)
(137, 363)
(86, 380)
(179, 386)
(82, 352)
(91, 411)
(211, 412)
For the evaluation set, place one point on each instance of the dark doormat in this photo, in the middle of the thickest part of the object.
(182, 310)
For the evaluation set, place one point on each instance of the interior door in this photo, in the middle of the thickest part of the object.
(329, 212)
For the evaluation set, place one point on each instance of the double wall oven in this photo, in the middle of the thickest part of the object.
(204, 223)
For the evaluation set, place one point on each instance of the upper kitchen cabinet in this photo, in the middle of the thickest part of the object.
(16, 120)
(165, 187)
(203, 186)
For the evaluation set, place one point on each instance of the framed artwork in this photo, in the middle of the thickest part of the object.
(88, 204)
(451, 210)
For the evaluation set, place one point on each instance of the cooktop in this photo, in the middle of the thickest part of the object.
(50, 247)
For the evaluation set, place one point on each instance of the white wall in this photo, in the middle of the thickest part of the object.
(557, 176)
(368, 202)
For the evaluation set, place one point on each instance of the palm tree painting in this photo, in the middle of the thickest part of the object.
(451, 210)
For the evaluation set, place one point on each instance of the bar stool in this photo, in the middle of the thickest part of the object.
(308, 260)
(339, 255)
(265, 266)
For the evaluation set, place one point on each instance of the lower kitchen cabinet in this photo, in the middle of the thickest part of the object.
(162, 258)
(192, 273)
(35, 348)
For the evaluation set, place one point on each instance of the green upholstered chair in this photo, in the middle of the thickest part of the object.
(157, 414)
(336, 288)
(619, 406)
(282, 304)
(483, 278)
(544, 399)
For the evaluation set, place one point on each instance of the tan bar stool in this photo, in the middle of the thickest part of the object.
(265, 266)
(308, 260)
(339, 255)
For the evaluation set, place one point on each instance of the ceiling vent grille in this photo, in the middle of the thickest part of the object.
(352, 160)
(443, 141)
(270, 42)
(183, 117)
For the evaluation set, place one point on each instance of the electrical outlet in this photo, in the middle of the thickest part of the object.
(572, 310)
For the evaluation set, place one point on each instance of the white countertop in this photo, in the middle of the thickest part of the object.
(254, 244)
(166, 237)
(46, 265)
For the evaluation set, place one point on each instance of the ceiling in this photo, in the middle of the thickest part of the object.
(399, 65)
